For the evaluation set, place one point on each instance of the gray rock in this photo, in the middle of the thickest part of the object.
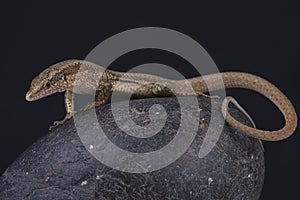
(58, 166)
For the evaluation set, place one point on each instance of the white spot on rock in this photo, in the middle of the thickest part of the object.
(98, 177)
(91, 147)
(83, 183)
(210, 180)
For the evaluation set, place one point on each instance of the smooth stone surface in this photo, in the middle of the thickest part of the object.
(58, 166)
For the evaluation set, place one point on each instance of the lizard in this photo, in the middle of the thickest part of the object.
(79, 77)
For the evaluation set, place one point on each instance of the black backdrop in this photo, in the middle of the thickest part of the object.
(261, 38)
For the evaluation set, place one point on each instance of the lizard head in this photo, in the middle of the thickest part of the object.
(52, 80)
(61, 76)
(45, 84)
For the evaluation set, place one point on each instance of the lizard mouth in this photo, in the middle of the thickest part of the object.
(28, 97)
(32, 96)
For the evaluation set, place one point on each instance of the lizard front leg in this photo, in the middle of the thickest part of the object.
(69, 105)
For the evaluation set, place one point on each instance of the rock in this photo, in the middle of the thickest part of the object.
(58, 166)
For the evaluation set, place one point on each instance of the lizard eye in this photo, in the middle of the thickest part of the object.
(48, 84)
(64, 77)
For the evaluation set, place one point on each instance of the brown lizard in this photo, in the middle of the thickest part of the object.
(61, 77)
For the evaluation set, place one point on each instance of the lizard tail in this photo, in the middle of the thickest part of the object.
(260, 85)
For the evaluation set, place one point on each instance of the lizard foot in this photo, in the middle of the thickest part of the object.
(92, 105)
(57, 123)
(209, 96)
(88, 106)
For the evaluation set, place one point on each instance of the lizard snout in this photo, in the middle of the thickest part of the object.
(28, 96)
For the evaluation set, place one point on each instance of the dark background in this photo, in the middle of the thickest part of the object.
(261, 38)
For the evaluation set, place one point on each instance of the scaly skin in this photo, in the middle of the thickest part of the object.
(82, 77)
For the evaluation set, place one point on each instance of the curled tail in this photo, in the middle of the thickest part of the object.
(260, 85)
